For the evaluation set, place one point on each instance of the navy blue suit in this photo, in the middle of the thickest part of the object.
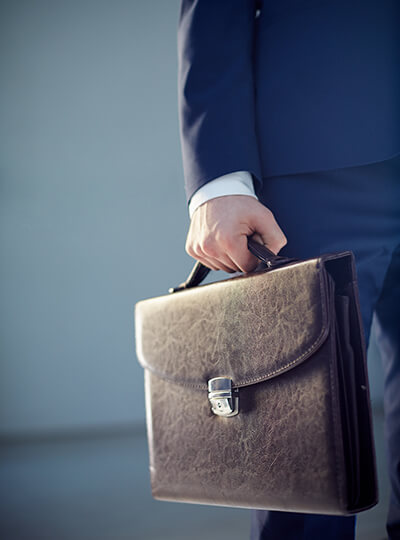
(304, 94)
(307, 85)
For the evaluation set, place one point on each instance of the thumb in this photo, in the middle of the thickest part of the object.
(255, 236)
(267, 231)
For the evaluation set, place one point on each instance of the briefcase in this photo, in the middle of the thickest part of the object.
(256, 388)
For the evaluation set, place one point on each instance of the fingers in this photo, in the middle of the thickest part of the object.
(209, 253)
(267, 231)
(241, 255)
(228, 254)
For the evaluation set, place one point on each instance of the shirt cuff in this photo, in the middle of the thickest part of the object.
(236, 183)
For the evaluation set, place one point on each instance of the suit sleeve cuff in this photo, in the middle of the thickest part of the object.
(236, 183)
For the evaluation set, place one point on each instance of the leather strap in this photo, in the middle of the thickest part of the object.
(200, 271)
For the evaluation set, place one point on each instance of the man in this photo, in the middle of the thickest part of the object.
(290, 130)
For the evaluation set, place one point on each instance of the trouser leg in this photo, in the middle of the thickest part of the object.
(266, 525)
(388, 341)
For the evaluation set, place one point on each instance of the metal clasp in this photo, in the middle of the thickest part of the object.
(224, 401)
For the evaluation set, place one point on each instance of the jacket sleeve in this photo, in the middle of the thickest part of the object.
(216, 105)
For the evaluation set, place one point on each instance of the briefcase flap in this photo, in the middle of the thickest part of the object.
(249, 328)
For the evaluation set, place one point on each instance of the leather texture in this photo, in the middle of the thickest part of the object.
(291, 340)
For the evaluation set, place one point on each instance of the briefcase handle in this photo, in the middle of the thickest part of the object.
(199, 271)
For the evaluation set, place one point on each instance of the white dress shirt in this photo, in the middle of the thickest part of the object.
(234, 183)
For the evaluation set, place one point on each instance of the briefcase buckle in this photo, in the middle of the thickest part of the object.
(223, 399)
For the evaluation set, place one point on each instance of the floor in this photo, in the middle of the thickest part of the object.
(97, 488)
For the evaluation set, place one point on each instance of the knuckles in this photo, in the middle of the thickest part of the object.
(215, 244)
(209, 246)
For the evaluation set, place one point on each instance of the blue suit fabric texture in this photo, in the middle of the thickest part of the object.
(304, 95)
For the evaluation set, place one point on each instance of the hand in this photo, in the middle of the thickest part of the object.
(219, 229)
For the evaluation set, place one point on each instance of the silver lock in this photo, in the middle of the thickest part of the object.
(224, 401)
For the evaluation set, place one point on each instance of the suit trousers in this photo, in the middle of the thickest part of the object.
(358, 209)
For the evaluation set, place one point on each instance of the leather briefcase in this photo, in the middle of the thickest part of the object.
(256, 388)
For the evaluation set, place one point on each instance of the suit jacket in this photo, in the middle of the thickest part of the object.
(286, 86)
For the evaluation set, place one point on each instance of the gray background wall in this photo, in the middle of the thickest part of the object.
(93, 212)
